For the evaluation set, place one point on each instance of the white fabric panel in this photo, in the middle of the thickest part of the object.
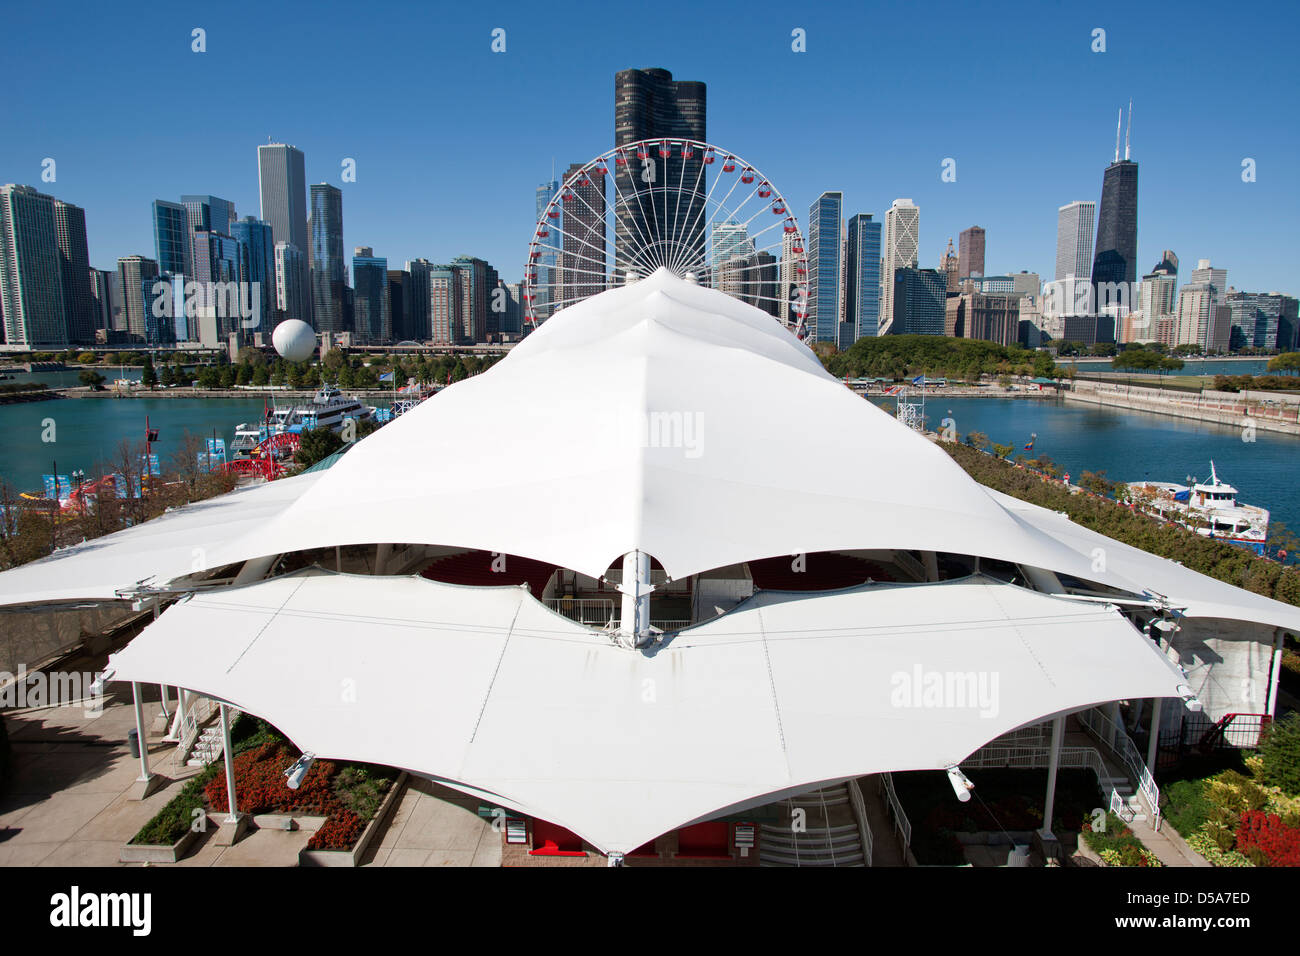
(487, 689)
(173, 544)
(772, 455)
(1203, 596)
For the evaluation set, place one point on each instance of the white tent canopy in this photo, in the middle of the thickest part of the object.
(488, 690)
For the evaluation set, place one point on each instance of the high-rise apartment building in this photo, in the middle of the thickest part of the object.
(328, 269)
(650, 104)
(171, 237)
(207, 214)
(1218, 278)
(445, 305)
(902, 240)
(1262, 320)
(282, 188)
(970, 252)
(291, 294)
(31, 276)
(1074, 225)
(546, 265)
(416, 297)
(74, 268)
(862, 278)
(133, 272)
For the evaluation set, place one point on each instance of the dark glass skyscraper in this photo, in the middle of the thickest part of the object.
(282, 186)
(862, 279)
(171, 237)
(328, 270)
(74, 266)
(650, 104)
(373, 320)
(257, 267)
(824, 227)
(1115, 253)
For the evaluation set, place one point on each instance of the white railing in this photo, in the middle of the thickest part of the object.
(860, 813)
(1105, 730)
(902, 825)
(591, 612)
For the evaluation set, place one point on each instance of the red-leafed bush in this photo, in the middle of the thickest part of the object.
(1266, 841)
(340, 832)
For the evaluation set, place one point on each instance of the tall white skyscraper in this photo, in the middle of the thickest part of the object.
(1218, 278)
(282, 186)
(1074, 225)
(290, 294)
(730, 240)
(902, 239)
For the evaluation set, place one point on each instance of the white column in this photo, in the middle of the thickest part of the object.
(1155, 736)
(635, 588)
(162, 688)
(1270, 707)
(233, 816)
(141, 739)
(1053, 761)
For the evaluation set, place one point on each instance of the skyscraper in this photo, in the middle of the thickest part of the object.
(291, 294)
(399, 285)
(582, 267)
(207, 214)
(133, 272)
(1204, 272)
(825, 225)
(862, 278)
(1074, 222)
(649, 104)
(372, 320)
(948, 265)
(328, 270)
(445, 305)
(549, 258)
(257, 269)
(74, 267)
(282, 186)
(729, 239)
(31, 279)
(919, 301)
(902, 239)
(1115, 256)
(416, 297)
(171, 237)
(970, 252)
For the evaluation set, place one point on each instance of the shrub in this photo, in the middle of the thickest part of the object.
(175, 819)
(1280, 751)
(1266, 841)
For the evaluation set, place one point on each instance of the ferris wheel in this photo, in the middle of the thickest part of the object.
(695, 209)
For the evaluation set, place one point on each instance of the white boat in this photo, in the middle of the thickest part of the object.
(1209, 508)
(328, 408)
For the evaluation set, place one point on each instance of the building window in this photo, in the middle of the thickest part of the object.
(710, 841)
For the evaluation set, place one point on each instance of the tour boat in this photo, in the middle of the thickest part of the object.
(1209, 508)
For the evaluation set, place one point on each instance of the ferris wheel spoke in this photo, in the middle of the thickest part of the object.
(677, 206)
(629, 216)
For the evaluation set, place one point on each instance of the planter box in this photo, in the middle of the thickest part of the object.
(157, 852)
(287, 821)
(351, 857)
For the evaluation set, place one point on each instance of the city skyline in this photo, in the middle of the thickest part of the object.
(425, 193)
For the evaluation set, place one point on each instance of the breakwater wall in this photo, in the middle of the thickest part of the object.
(1265, 411)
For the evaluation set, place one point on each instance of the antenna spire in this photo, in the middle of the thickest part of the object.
(1119, 121)
(1128, 131)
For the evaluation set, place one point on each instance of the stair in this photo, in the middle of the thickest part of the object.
(830, 837)
(207, 748)
(1133, 808)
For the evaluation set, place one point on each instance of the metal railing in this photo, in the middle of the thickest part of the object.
(902, 825)
(1118, 740)
(860, 814)
(591, 612)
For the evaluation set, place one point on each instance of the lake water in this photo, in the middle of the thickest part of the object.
(1190, 366)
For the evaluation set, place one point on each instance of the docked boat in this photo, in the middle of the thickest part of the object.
(328, 408)
(1209, 508)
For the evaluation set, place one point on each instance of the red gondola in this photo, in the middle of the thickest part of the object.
(764, 189)
(665, 149)
(620, 160)
(569, 197)
(553, 213)
(747, 176)
(709, 157)
(543, 233)
(601, 169)
(790, 228)
(797, 249)
(778, 208)
(643, 152)
(687, 152)
(729, 165)
(586, 181)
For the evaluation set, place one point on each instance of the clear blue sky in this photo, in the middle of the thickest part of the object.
(451, 139)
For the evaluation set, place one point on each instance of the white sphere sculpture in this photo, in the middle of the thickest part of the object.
(294, 339)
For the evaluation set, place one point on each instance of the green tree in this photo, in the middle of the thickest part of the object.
(316, 444)
(148, 378)
(90, 378)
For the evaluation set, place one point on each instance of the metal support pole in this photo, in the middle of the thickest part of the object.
(1154, 744)
(1270, 707)
(233, 815)
(141, 739)
(1053, 761)
(162, 688)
